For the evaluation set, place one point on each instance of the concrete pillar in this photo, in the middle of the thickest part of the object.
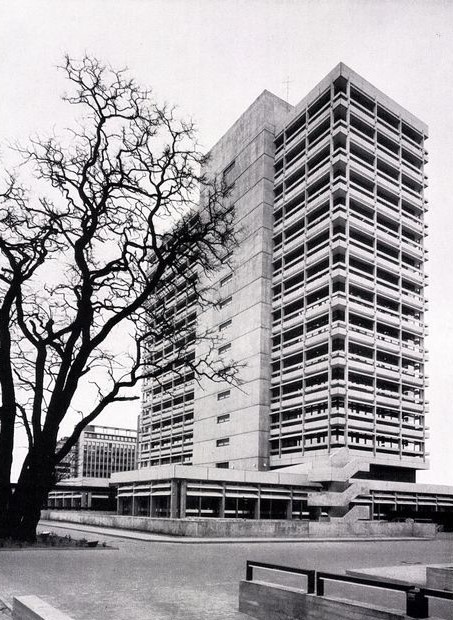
(182, 499)
(314, 513)
(289, 508)
(174, 499)
(222, 504)
(117, 502)
(258, 504)
(134, 506)
(152, 506)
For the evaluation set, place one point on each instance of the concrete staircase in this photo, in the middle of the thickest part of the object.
(329, 499)
(356, 513)
(339, 466)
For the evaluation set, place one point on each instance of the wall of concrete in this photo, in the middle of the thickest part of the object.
(249, 143)
(439, 577)
(224, 528)
(269, 602)
(215, 528)
(320, 529)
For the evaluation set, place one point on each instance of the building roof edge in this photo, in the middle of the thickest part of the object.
(343, 69)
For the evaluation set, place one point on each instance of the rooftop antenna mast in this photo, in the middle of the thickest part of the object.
(287, 82)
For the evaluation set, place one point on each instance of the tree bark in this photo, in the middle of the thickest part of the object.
(23, 513)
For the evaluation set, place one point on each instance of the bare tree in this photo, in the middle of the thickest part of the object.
(120, 225)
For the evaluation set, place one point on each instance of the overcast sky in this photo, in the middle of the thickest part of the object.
(213, 58)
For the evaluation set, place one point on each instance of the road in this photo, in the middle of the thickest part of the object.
(170, 581)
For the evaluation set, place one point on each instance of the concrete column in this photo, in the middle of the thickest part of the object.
(174, 499)
(182, 499)
(152, 506)
(289, 508)
(117, 503)
(314, 513)
(222, 504)
(133, 508)
(258, 504)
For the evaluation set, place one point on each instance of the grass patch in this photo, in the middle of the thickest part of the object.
(49, 540)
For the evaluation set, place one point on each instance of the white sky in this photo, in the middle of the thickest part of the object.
(214, 57)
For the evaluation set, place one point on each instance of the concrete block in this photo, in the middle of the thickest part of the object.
(439, 577)
(272, 602)
(33, 608)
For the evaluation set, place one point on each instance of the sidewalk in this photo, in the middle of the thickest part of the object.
(161, 538)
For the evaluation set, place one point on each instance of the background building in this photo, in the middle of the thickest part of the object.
(83, 475)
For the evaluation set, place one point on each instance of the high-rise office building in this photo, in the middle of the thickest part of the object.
(323, 306)
(325, 303)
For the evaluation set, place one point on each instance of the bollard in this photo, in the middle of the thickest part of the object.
(416, 604)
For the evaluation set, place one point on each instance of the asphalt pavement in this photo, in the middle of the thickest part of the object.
(148, 579)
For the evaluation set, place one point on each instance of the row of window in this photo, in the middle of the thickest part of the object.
(338, 407)
(337, 373)
(365, 297)
(356, 440)
(295, 334)
(368, 165)
(296, 360)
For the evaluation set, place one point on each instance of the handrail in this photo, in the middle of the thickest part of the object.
(377, 583)
(437, 593)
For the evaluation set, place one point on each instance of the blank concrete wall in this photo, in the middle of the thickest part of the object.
(240, 527)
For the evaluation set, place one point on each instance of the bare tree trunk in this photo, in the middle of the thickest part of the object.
(6, 459)
(24, 510)
(6, 453)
